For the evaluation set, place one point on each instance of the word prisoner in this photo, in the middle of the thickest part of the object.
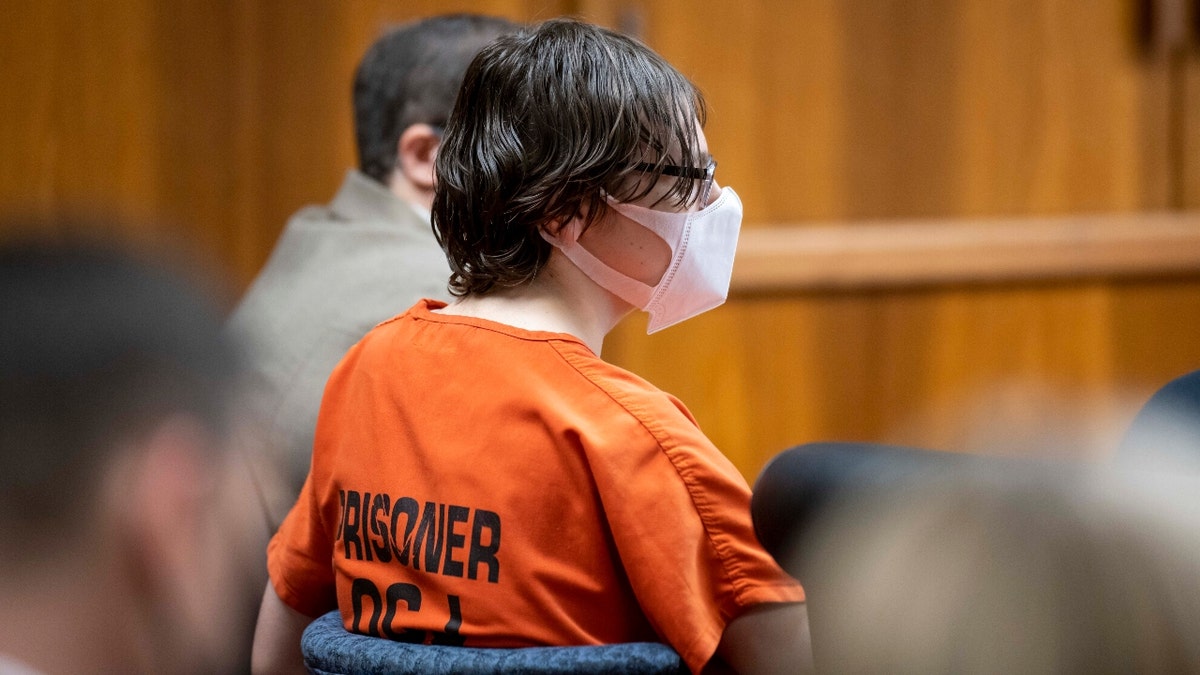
(426, 536)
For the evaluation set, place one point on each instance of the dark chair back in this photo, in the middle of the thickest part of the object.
(799, 484)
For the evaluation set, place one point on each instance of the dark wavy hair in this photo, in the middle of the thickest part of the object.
(548, 121)
(410, 75)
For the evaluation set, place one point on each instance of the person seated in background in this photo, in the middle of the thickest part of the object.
(480, 476)
(337, 270)
(977, 569)
(129, 523)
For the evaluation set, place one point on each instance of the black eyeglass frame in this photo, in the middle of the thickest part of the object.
(706, 174)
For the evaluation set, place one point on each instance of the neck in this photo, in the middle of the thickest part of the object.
(407, 192)
(561, 300)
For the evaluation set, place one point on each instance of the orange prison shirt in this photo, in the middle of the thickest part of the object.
(474, 483)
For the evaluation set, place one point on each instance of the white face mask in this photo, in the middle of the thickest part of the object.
(697, 279)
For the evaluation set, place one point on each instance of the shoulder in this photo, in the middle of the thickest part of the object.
(640, 398)
(636, 409)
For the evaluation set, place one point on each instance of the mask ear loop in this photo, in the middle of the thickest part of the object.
(628, 289)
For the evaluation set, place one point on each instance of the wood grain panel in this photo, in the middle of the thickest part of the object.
(301, 111)
(295, 93)
(205, 122)
(77, 114)
(215, 121)
(1029, 368)
(863, 109)
(853, 112)
(1185, 112)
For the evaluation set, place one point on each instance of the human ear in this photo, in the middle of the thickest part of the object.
(165, 498)
(564, 230)
(416, 151)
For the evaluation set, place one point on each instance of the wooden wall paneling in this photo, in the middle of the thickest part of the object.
(209, 122)
(1186, 111)
(302, 115)
(297, 139)
(859, 109)
(941, 368)
(125, 109)
(1156, 333)
(946, 353)
(1007, 372)
(76, 116)
(248, 133)
(198, 58)
(1058, 110)
(25, 184)
(900, 87)
(771, 74)
(215, 121)
(904, 108)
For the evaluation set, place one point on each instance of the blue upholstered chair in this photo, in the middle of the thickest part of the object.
(329, 649)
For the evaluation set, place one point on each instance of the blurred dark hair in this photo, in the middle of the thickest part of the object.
(410, 76)
(549, 120)
(96, 348)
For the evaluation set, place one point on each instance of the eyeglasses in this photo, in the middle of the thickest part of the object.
(705, 175)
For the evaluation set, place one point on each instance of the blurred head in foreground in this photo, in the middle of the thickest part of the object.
(125, 515)
(1022, 572)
